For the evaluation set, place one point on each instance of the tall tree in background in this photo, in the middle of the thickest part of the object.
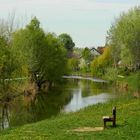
(44, 53)
(100, 63)
(86, 54)
(67, 42)
(51, 61)
(86, 60)
(27, 55)
(124, 37)
(26, 41)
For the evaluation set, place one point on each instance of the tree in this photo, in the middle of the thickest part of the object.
(52, 60)
(67, 42)
(86, 60)
(73, 64)
(45, 55)
(100, 63)
(8, 26)
(30, 42)
(86, 54)
(12, 70)
(123, 36)
(12, 67)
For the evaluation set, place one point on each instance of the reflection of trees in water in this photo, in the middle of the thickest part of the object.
(18, 112)
(41, 106)
(10, 88)
(4, 115)
(48, 104)
(5, 106)
(100, 88)
(71, 83)
(35, 107)
(93, 88)
(85, 86)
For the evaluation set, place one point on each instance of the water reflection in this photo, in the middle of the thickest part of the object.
(44, 105)
(4, 116)
(72, 95)
(88, 93)
(79, 102)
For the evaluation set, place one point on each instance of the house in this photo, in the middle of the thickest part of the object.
(95, 52)
(101, 49)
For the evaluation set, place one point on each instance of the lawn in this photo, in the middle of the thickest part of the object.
(61, 127)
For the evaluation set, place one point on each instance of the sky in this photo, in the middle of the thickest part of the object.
(86, 21)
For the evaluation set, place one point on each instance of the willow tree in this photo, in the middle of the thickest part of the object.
(44, 53)
(52, 60)
(12, 71)
(124, 37)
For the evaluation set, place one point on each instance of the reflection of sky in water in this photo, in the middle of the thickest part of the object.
(77, 102)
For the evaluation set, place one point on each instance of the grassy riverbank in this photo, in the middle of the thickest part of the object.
(60, 128)
(132, 81)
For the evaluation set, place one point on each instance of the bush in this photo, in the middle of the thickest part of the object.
(111, 74)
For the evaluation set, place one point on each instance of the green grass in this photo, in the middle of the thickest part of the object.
(59, 128)
(133, 81)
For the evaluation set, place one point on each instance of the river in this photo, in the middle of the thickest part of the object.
(71, 95)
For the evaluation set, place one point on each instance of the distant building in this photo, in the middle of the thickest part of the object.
(95, 52)
(101, 49)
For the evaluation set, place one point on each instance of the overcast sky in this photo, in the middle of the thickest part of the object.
(87, 21)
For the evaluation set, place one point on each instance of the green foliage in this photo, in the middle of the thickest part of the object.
(73, 64)
(111, 74)
(85, 60)
(67, 41)
(133, 81)
(45, 55)
(84, 67)
(62, 127)
(27, 41)
(99, 64)
(52, 62)
(86, 54)
(95, 66)
(124, 38)
(12, 68)
(22, 43)
(126, 57)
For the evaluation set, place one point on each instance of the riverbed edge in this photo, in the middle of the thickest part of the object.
(128, 112)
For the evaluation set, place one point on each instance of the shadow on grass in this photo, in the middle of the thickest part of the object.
(111, 127)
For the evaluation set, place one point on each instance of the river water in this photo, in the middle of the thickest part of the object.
(72, 95)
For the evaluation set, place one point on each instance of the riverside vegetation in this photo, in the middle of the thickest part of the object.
(61, 127)
(27, 53)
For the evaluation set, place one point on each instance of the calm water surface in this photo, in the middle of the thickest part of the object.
(85, 93)
(72, 95)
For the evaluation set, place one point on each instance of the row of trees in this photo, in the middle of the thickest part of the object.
(44, 53)
(122, 49)
(42, 57)
(30, 55)
(124, 38)
(122, 53)
(30, 52)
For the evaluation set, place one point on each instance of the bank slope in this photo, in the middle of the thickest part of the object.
(60, 128)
